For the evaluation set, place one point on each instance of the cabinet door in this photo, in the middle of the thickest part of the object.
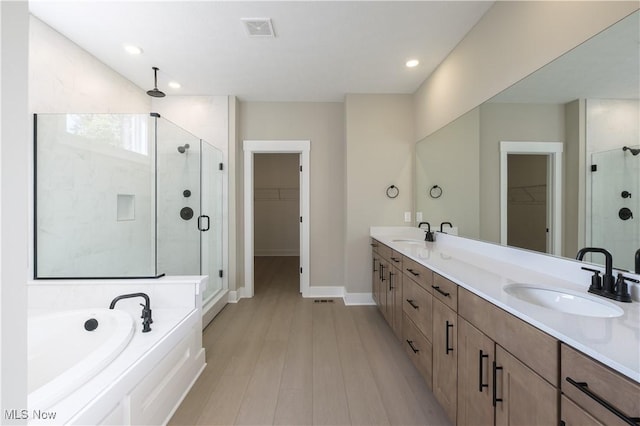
(383, 270)
(375, 277)
(395, 283)
(475, 358)
(522, 397)
(445, 357)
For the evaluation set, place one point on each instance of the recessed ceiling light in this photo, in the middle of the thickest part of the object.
(174, 85)
(132, 50)
(412, 63)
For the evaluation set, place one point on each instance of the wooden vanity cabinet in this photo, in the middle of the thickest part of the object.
(522, 364)
(595, 392)
(445, 345)
(445, 358)
(387, 284)
(394, 294)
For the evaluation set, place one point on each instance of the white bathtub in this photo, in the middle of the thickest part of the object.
(63, 355)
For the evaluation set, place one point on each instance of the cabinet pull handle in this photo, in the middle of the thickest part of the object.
(395, 259)
(584, 388)
(413, 305)
(374, 265)
(381, 273)
(437, 288)
(446, 334)
(495, 380)
(481, 372)
(391, 274)
(374, 245)
(414, 273)
(413, 348)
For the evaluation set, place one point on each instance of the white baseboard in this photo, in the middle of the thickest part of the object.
(324, 292)
(236, 295)
(352, 299)
(214, 307)
(277, 252)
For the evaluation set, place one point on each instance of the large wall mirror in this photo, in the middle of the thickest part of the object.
(586, 103)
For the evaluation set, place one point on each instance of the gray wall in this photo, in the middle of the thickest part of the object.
(378, 153)
(509, 122)
(323, 125)
(513, 39)
(449, 158)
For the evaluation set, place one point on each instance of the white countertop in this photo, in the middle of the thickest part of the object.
(485, 268)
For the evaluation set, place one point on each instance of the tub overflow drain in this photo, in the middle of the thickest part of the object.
(91, 324)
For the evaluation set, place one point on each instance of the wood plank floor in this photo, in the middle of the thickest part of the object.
(283, 360)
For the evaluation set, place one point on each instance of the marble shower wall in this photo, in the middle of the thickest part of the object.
(95, 195)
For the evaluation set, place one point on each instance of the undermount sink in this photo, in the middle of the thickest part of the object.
(565, 301)
(409, 241)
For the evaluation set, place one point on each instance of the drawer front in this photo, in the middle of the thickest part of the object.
(573, 415)
(418, 348)
(416, 304)
(374, 245)
(384, 251)
(603, 383)
(446, 291)
(418, 273)
(396, 259)
(535, 348)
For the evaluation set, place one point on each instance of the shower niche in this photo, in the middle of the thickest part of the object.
(125, 196)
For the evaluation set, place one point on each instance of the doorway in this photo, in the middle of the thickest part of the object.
(531, 195)
(252, 191)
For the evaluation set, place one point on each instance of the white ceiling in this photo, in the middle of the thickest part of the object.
(322, 49)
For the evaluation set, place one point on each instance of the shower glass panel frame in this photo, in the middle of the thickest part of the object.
(125, 196)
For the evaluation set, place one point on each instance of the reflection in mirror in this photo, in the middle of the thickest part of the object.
(588, 99)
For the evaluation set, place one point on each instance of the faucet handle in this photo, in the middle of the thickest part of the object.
(596, 281)
(622, 290)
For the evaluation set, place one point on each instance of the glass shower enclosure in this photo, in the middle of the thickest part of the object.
(613, 211)
(125, 196)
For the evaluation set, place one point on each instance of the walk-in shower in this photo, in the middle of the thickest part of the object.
(115, 199)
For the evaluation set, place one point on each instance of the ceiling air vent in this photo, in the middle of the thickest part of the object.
(258, 27)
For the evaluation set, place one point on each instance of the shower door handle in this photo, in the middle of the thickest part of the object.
(204, 216)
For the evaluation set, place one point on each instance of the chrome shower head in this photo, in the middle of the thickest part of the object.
(182, 149)
(155, 92)
(633, 151)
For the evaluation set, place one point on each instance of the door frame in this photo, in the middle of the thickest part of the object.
(554, 190)
(250, 148)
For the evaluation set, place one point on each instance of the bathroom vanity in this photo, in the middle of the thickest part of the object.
(507, 336)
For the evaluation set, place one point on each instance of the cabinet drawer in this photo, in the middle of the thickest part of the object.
(418, 348)
(396, 259)
(535, 348)
(416, 304)
(446, 291)
(418, 273)
(384, 251)
(374, 245)
(573, 415)
(620, 392)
